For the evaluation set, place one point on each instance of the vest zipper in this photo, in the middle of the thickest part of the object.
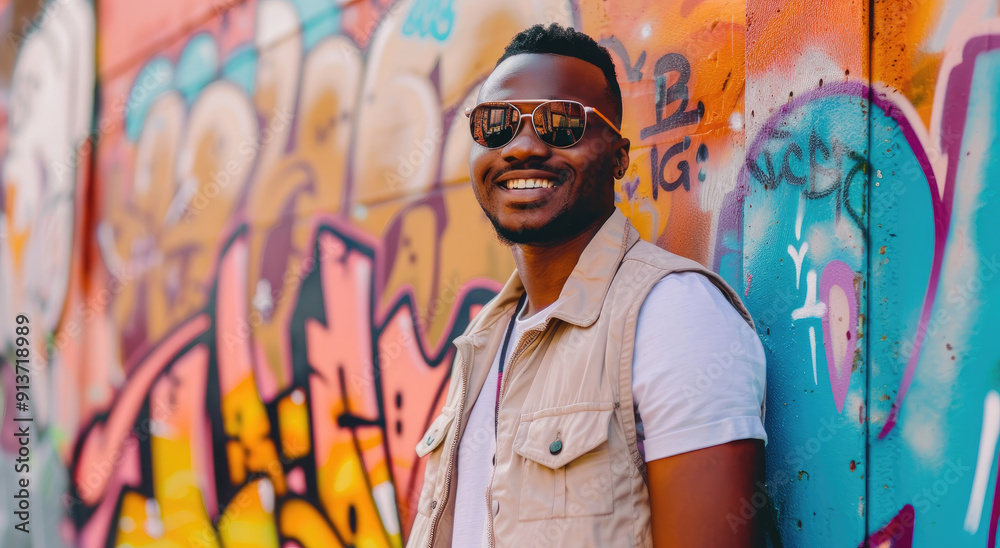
(452, 456)
(508, 370)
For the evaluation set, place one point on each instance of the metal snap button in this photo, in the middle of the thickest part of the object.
(430, 440)
(496, 507)
(434, 504)
(555, 447)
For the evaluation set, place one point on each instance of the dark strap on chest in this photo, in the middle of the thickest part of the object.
(503, 357)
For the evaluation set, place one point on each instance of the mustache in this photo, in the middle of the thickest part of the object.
(560, 174)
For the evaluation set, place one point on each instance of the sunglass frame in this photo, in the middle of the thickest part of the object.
(541, 102)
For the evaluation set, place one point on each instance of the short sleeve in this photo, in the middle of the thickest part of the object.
(698, 370)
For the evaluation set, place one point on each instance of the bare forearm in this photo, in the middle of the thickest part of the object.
(700, 498)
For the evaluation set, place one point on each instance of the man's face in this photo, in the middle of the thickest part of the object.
(581, 176)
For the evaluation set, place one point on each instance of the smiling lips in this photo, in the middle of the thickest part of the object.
(518, 184)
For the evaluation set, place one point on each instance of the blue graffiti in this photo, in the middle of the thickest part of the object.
(430, 18)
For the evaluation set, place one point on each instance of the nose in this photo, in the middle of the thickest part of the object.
(525, 144)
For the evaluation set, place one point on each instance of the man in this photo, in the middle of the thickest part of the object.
(612, 393)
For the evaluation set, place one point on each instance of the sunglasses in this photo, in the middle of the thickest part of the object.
(558, 123)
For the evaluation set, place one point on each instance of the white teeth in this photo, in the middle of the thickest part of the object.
(529, 183)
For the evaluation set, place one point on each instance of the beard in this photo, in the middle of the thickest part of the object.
(568, 222)
(572, 218)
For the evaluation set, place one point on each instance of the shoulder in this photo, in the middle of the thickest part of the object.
(698, 369)
(646, 253)
(647, 268)
(686, 290)
(665, 274)
(691, 303)
(668, 276)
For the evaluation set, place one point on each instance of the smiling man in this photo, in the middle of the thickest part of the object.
(612, 393)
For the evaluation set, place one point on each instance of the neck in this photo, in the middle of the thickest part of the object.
(544, 269)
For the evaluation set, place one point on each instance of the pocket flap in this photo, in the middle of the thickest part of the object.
(436, 433)
(555, 437)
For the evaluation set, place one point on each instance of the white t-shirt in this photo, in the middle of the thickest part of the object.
(698, 378)
(479, 444)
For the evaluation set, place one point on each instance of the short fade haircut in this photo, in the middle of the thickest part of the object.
(559, 40)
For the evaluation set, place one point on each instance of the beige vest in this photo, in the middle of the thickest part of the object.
(568, 471)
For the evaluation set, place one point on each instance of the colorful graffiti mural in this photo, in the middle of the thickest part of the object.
(861, 180)
(45, 165)
(245, 238)
(327, 461)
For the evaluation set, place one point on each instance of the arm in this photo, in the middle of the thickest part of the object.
(698, 386)
(704, 497)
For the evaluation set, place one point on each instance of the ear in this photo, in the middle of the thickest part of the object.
(621, 160)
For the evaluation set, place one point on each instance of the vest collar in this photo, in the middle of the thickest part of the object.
(582, 296)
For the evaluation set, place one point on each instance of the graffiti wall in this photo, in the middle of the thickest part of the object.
(241, 236)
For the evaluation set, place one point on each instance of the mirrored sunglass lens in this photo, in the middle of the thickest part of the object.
(493, 125)
(560, 123)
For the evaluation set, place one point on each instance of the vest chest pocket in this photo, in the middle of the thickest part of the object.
(433, 439)
(566, 470)
(435, 433)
